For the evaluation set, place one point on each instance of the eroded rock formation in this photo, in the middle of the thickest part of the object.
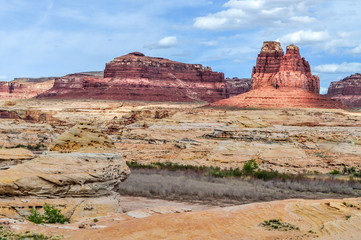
(347, 90)
(281, 81)
(81, 163)
(278, 70)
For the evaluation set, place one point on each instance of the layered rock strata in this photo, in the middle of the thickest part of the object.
(347, 90)
(278, 70)
(138, 77)
(80, 163)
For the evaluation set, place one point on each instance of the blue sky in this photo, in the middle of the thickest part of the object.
(57, 37)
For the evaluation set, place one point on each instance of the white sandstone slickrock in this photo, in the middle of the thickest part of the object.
(85, 165)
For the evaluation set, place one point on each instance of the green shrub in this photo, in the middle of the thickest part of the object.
(277, 224)
(250, 166)
(7, 234)
(51, 215)
(335, 172)
(35, 216)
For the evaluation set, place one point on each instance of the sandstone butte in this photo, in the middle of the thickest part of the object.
(138, 77)
(281, 81)
(347, 90)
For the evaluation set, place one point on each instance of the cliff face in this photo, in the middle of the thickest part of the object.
(137, 65)
(138, 77)
(278, 70)
(347, 90)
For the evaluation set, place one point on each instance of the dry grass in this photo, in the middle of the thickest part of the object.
(178, 185)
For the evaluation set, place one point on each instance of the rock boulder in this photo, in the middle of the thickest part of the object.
(80, 163)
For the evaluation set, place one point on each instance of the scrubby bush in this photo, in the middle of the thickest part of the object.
(51, 215)
(191, 186)
(335, 172)
(7, 234)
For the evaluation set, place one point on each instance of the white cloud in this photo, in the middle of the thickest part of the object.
(166, 42)
(339, 68)
(303, 19)
(302, 36)
(209, 43)
(356, 50)
(229, 19)
(252, 4)
(249, 13)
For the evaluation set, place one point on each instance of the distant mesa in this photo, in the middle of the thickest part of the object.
(23, 88)
(138, 77)
(281, 81)
(347, 90)
(135, 76)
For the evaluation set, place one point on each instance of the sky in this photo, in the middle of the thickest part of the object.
(57, 37)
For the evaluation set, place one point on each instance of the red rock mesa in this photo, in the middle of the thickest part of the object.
(137, 77)
(347, 90)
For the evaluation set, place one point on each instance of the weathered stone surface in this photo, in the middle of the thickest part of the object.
(278, 70)
(13, 156)
(72, 208)
(16, 154)
(138, 77)
(90, 167)
(312, 219)
(27, 115)
(347, 90)
(23, 88)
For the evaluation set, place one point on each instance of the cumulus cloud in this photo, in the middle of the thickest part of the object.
(302, 36)
(2, 78)
(356, 50)
(248, 13)
(303, 19)
(166, 42)
(339, 68)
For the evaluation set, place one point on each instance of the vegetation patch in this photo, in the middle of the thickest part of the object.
(8, 234)
(250, 169)
(277, 224)
(335, 172)
(51, 215)
(30, 147)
